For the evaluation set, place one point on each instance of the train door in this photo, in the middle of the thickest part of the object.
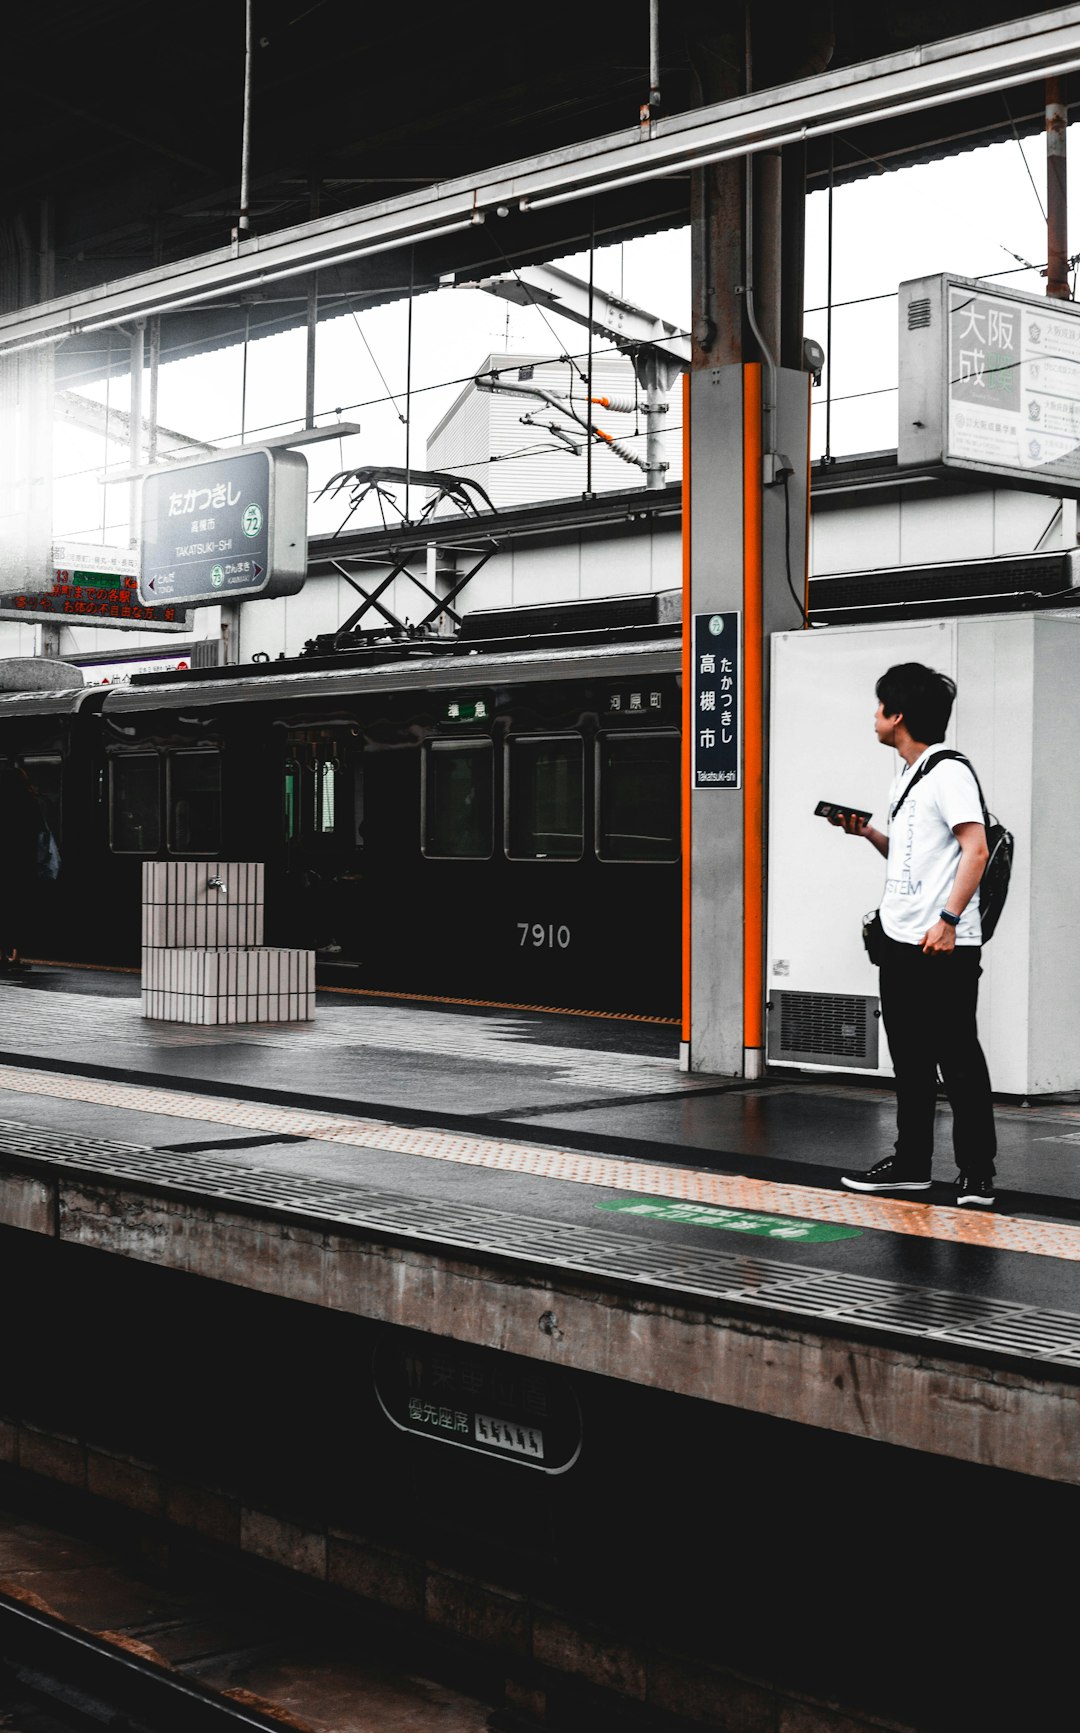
(322, 815)
(163, 801)
(590, 912)
(459, 871)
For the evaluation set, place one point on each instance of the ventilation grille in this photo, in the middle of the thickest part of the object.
(550, 617)
(957, 587)
(918, 314)
(840, 1029)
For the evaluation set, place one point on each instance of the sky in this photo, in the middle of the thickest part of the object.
(979, 214)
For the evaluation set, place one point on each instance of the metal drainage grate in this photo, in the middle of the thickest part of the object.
(824, 1028)
(1021, 1332)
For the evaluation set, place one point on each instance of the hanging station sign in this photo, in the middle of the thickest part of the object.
(225, 529)
(990, 381)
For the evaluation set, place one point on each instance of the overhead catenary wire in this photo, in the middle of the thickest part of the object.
(1023, 157)
(224, 437)
(563, 355)
(390, 396)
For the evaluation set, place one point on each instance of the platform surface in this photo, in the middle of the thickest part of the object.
(557, 1140)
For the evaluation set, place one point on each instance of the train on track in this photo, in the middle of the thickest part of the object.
(493, 817)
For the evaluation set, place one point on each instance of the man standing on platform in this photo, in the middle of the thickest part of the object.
(932, 942)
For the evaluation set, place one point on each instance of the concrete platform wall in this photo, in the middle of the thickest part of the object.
(698, 1567)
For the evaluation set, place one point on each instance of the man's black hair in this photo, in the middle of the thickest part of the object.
(922, 696)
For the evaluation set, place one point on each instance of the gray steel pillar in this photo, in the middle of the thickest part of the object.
(745, 554)
(135, 444)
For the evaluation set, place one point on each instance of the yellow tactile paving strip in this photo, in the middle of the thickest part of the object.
(687, 1185)
(418, 998)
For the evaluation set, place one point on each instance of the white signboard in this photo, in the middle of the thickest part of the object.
(91, 557)
(990, 380)
(119, 673)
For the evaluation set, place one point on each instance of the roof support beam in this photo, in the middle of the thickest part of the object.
(1026, 49)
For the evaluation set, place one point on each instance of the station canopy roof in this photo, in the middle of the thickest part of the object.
(122, 126)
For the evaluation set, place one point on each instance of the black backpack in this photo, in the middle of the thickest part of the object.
(994, 884)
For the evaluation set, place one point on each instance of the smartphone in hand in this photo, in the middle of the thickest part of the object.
(838, 814)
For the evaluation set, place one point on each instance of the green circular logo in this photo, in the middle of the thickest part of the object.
(252, 521)
(716, 625)
(217, 576)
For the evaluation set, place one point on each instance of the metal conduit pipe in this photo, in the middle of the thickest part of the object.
(243, 223)
(1057, 215)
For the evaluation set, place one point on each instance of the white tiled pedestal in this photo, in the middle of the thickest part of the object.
(248, 984)
(218, 904)
(203, 960)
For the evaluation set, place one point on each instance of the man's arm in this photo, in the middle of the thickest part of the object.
(856, 827)
(974, 855)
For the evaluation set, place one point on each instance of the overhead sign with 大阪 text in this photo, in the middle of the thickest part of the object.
(227, 528)
(990, 381)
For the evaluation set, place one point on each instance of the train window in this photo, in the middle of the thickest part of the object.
(46, 775)
(194, 802)
(292, 800)
(327, 773)
(637, 807)
(544, 804)
(134, 808)
(457, 805)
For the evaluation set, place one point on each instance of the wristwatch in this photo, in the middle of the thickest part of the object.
(953, 920)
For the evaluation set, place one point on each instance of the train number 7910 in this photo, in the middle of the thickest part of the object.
(540, 936)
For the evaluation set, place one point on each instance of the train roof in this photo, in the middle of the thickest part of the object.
(49, 701)
(444, 673)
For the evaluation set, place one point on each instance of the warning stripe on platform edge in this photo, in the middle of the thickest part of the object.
(417, 998)
(689, 1185)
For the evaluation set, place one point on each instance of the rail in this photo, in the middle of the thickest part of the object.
(55, 1664)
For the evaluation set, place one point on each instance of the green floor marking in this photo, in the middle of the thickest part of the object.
(739, 1221)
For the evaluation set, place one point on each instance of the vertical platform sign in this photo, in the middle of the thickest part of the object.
(717, 731)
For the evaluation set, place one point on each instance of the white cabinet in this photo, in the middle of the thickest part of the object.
(1016, 718)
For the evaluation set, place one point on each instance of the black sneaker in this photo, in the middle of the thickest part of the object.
(889, 1175)
(977, 1190)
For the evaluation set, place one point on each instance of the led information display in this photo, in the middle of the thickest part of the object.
(94, 596)
(227, 528)
(990, 381)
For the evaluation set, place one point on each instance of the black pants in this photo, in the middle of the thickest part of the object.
(928, 1007)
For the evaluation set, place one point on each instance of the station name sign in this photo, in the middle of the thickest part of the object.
(224, 529)
(716, 751)
(990, 381)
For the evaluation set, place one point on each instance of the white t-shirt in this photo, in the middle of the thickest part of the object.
(923, 852)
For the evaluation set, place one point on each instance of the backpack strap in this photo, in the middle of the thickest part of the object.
(928, 765)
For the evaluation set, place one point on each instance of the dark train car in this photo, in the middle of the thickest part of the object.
(494, 818)
(53, 735)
